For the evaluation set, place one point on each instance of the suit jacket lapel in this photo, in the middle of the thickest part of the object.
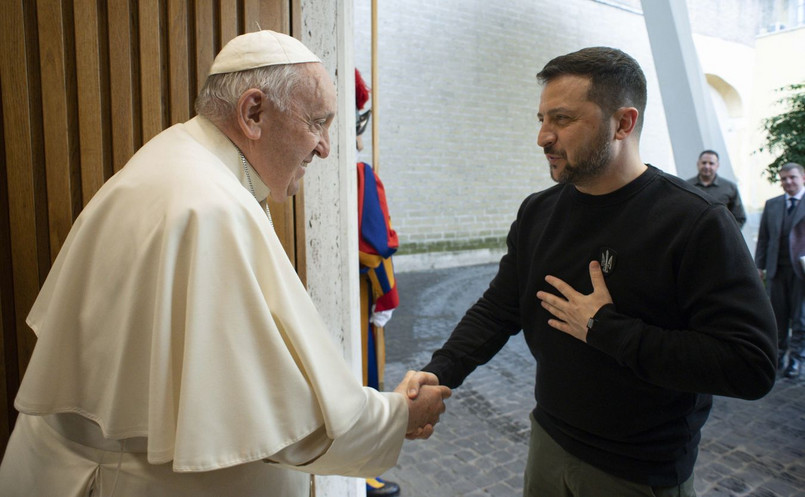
(777, 215)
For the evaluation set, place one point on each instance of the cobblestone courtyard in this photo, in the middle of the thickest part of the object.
(479, 448)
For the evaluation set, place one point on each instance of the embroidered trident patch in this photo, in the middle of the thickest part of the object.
(607, 260)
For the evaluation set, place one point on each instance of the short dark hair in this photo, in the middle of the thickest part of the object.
(708, 151)
(793, 165)
(616, 79)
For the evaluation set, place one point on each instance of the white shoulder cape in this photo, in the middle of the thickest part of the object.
(173, 313)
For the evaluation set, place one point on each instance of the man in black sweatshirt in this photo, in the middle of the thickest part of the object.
(636, 293)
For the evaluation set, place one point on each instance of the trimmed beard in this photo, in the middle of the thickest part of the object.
(593, 160)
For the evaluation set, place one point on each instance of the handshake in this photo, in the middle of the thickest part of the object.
(425, 402)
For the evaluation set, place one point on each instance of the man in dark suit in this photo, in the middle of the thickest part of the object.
(780, 247)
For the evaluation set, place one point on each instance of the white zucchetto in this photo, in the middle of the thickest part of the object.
(260, 49)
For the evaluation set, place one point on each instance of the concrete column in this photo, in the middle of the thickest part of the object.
(331, 203)
(692, 121)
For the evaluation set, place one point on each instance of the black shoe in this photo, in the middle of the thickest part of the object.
(375, 487)
(792, 371)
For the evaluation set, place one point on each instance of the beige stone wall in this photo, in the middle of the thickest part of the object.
(743, 81)
(778, 62)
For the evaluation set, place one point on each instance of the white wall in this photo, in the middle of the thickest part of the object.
(331, 205)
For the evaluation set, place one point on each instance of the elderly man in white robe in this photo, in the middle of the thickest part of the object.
(178, 353)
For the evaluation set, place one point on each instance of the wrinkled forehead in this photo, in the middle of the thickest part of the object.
(316, 89)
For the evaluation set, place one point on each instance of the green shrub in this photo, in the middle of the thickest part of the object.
(785, 133)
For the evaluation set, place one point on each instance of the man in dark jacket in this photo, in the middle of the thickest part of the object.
(722, 190)
(778, 255)
(636, 293)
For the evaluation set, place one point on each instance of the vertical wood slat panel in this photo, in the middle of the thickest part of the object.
(151, 64)
(295, 29)
(8, 338)
(5, 398)
(112, 76)
(93, 135)
(295, 13)
(275, 16)
(27, 218)
(121, 82)
(205, 39)
(178, 61)
(52, 62)
(282, 216)
(251, 16)
(228, 26)
(19, 144)
(267, 15)
(298, 240)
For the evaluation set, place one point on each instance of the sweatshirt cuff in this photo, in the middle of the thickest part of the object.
(440, 366)
(603, 335)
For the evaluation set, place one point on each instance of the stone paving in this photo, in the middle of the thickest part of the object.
(748, 448)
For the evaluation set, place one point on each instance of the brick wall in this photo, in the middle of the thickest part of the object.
(458, 104)
(730, 21)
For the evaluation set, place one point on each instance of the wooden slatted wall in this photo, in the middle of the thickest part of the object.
(83, 84)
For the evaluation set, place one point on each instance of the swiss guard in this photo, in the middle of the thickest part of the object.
(377, 242)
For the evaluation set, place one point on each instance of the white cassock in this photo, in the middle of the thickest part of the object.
(181, 349)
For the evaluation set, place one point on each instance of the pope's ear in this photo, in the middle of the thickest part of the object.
(250, 113)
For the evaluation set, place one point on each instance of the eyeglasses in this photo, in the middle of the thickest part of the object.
(361, 120)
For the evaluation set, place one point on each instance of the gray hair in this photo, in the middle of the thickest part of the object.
(220, 94)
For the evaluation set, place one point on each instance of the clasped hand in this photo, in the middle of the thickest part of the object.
(425, 402)
(574, 310)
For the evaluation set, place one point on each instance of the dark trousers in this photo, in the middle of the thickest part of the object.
(786, 293)
(553, 472)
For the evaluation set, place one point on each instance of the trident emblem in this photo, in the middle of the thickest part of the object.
(607, 260)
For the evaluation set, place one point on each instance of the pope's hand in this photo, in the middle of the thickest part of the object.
(425, 399)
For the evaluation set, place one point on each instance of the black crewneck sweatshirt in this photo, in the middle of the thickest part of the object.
(690, 319)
